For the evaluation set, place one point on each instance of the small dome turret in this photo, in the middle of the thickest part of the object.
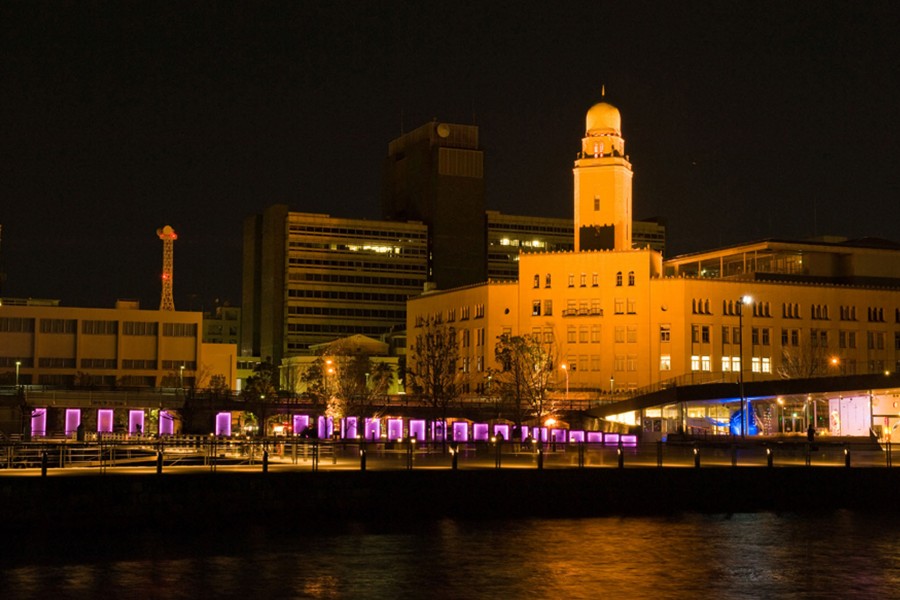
(603, 119)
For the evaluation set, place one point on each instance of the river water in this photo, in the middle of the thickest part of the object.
(760, 555)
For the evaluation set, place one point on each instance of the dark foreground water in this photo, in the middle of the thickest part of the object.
(763, 555)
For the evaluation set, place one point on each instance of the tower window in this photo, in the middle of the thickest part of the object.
(619, 279)
(596, 202)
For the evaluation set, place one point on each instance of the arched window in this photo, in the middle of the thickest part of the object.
(619, 279)
(537, 281)
(630, 277)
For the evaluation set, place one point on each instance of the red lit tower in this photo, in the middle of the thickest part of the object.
(168, 236)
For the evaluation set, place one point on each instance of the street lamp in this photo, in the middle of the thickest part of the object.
(18, 364)
(565, 369)
(740, 305)
(181, 375)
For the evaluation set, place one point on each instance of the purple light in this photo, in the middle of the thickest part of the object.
(539, 433)
(223, 424)
(629, 440)
(166, 423)
(611, 438)
(300, 423)
(73, 420)
(135, 422)
(395, 429)
(373, 429)
(350, 428)
(437, 431)
(523, 433)
(576, 436)
(104, 420)
(39, 422)
(480, 432)
(501, 431)
(558, 435)
(460, 431)
(325, 427)
(595, 437)
(417, 429)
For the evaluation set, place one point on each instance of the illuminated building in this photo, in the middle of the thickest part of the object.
(223, 326)
(508, 235)
(110, 347)
(625, 319)
(312, 278)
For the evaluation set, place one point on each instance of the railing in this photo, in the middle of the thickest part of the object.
(292, 453)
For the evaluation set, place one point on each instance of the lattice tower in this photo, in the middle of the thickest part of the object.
(168, 236)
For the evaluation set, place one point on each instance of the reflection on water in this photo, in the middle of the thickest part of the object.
(833, 555)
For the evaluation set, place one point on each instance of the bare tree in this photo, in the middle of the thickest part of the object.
(527, 375)
(432, 372)
(809, 359)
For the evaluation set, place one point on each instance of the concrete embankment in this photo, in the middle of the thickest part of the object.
(218, 500)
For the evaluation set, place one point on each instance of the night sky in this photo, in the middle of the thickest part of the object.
(743, 120)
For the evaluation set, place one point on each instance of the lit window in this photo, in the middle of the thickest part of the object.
(766, 365)
(695, 363)
(755, 364)
(726, 364)
(705, 363)
(665, 362)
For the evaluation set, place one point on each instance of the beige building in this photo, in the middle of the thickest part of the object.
(626, 319)
(51, 345)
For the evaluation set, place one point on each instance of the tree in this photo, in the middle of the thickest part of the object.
(809, 359)
(432, 372)
(527, 375)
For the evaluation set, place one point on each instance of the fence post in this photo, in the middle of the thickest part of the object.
(362, 457)
(159, 462)
(44, 463)
(769, 457)
(659, 453)
(265, 461)
(696, 457)
(540, 459)
(621, 457)
(847, 457)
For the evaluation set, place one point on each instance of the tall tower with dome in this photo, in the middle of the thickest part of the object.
(602, 176)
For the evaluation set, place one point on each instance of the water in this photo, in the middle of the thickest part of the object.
(762, 555)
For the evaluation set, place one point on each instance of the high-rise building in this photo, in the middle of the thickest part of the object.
(510, 235)
(435, 174)
(312, 278)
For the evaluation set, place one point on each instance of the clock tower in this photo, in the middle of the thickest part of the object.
(602, 184)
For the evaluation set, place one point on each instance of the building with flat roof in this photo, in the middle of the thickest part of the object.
(312, 278)
(52, 345)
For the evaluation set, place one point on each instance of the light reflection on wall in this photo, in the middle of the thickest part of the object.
(104, 420)
(73, 420)
(223, 424)
(39, 422)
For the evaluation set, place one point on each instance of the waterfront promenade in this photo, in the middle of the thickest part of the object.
(217, 486)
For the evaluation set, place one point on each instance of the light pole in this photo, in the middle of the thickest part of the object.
(612, 384)
(565, 369)
(18, 364)
(181, 375)
(744, 300)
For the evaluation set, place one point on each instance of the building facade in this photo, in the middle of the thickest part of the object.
(435, 174)
(311, 278)
(52, 345)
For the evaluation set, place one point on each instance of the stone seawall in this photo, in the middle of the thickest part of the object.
(216, 500)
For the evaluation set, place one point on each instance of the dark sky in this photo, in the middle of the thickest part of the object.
(743, 120)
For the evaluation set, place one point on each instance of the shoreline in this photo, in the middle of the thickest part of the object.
(209, 501)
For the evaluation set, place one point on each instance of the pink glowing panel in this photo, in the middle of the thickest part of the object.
(611, 438)
(39, 422)
(350, 428)
(480, 432)
(501, 431)
(104, 420)
(373, 429)
(395, 429)
(166, 423)
(417, 429)
(73, 420)
(325, 427)
(437, 430)
(576, 436)
(460, 431)
(135, 422)
(539, 433)
(595, 437)
(223, 424)
(558, 436)
(300, 423)
(629, 440)
(524, 433)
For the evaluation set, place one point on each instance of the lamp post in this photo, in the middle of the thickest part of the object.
(740, 304)
(565, 369)
(18, 364)
(181, 375)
